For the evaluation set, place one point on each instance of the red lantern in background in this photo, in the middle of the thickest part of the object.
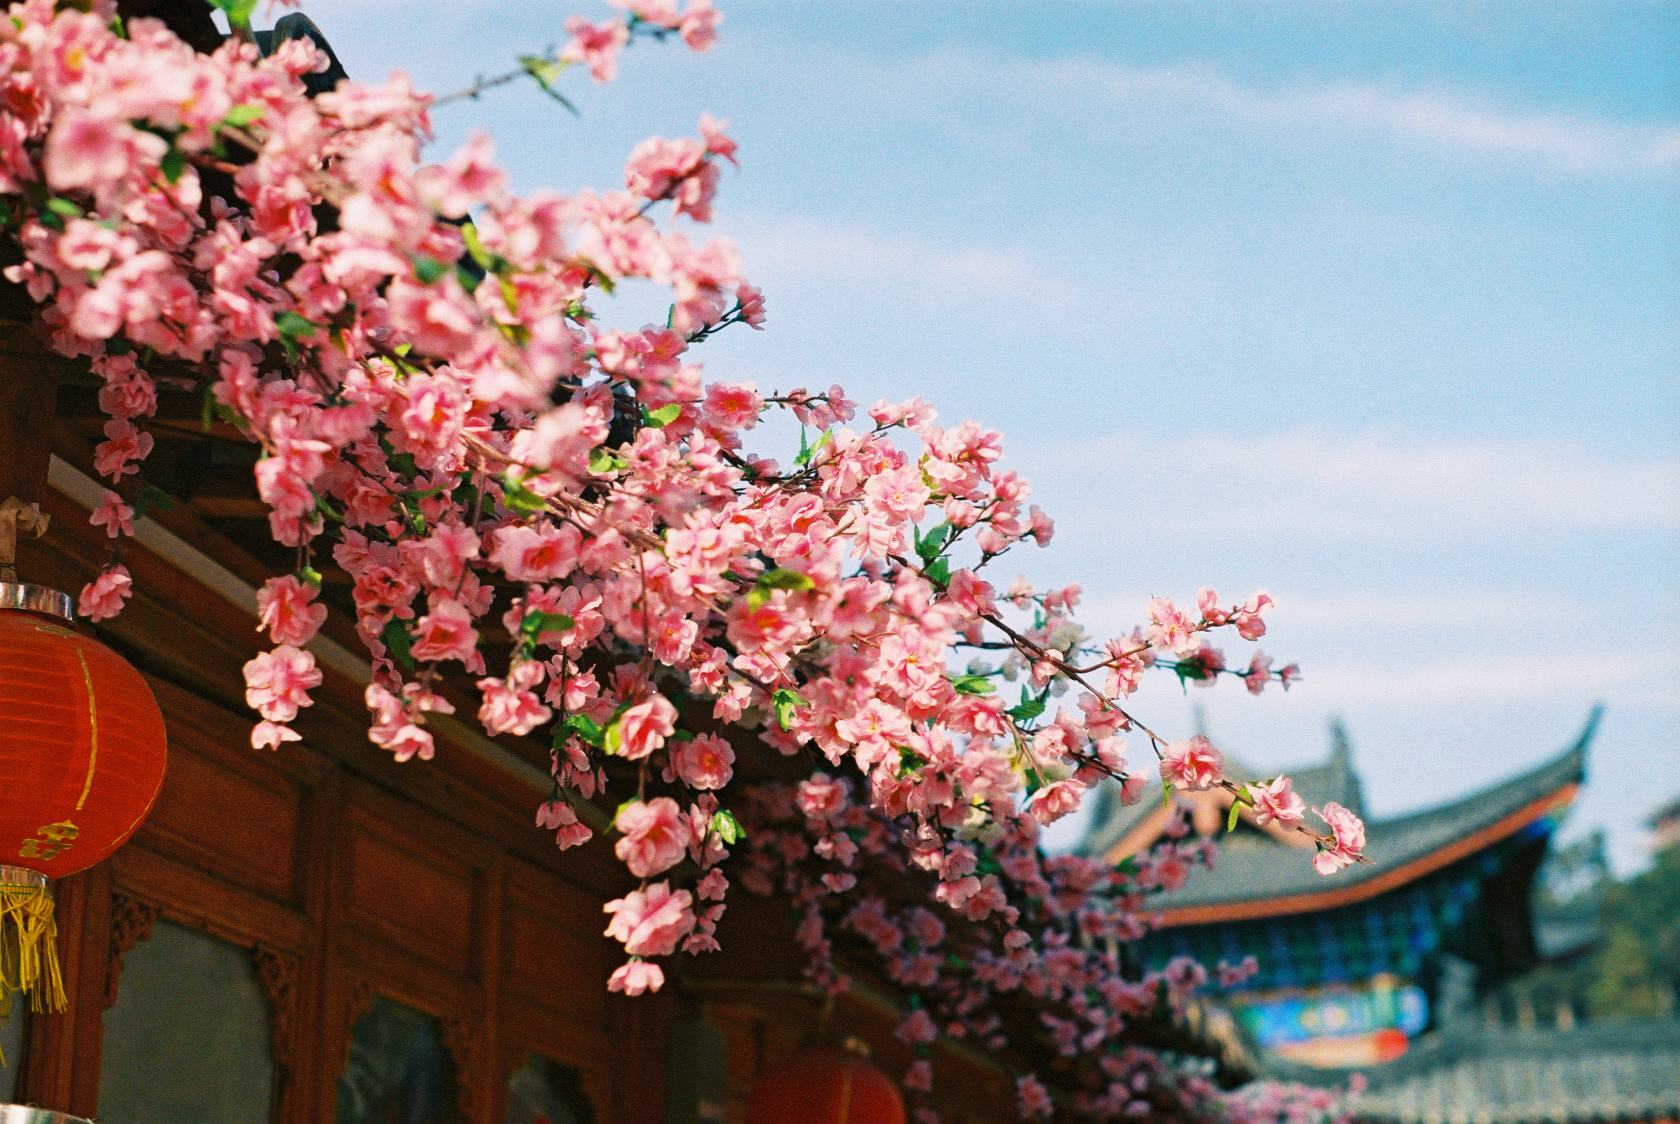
(82, 752)
(825, 1085)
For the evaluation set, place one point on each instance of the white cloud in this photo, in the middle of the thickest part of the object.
(1386, 485)
(1569, 143)
(1628, 678)
(800, 247)
(780, 251)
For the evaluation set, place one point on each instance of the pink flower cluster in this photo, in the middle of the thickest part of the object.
(442, 413)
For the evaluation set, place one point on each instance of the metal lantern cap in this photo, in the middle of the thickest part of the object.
(28, 1114)
(29, 598)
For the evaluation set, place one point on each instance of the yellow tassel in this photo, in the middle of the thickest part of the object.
(29, 947)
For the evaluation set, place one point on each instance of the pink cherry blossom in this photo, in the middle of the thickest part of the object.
(114, 515)
(1034, 1099)
(705, 761)
(1054, 801)
(445, 633)
(650, 921)
(122, 450)
(1348, 839)
(531, 554)
(105, 596)
(644, 727)
(597, 45)
(733, 406)
(1277, 801)
(654, 836)
(509, 709)
(286, 608)
(1192, 764)
(87, 150)
(501, 440)
(278, 682)
(272, 735)
(635, 977)
(699, 24)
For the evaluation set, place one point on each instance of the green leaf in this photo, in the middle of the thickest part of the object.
(612, 737)
(786, 701)
(928, 546)
(585, 728)
(662, 417)
(244, 114)
(785, 579)
(152, 498)
(404, 464)
(536, 622)
(908, 761)
(517, 498)
(398, 643)
(1231, 817)
(64, 207)
(309, 575)
(238, 12)
(545, 72)
(727, 827)
(428, 269)
(1166, 794)
(602, 462)
(772, 580)
(939, 572)
(327, 510)
(293, 327)
(973, 684)
(1029, 709)
(808, 452)
(173, 164)
(487, 261)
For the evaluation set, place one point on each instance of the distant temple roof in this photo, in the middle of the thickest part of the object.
(1623, 1071)
(1249, 880)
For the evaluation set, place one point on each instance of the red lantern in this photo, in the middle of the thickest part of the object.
(82, 752)
(825, 1085)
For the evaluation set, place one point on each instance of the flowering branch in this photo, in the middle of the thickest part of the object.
(423, 359)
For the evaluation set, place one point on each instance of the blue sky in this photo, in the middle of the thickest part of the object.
(1371, 305)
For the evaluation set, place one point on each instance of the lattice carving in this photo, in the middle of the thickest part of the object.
(279, 974)
(464, 1039)
(358, 1000)
(131, 922)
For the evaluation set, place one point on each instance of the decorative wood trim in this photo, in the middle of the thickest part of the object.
(464, 1039)
(131, 922)
(280, 976)
(358, 1001)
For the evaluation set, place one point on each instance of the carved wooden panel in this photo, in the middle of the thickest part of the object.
(411, 894)
(131, 922)
(279, 974)
(464, 1039)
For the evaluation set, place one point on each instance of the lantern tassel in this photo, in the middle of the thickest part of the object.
(28, 941)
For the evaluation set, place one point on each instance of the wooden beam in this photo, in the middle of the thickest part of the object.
(28, 396)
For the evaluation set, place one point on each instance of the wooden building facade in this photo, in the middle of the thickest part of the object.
(320, 933)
